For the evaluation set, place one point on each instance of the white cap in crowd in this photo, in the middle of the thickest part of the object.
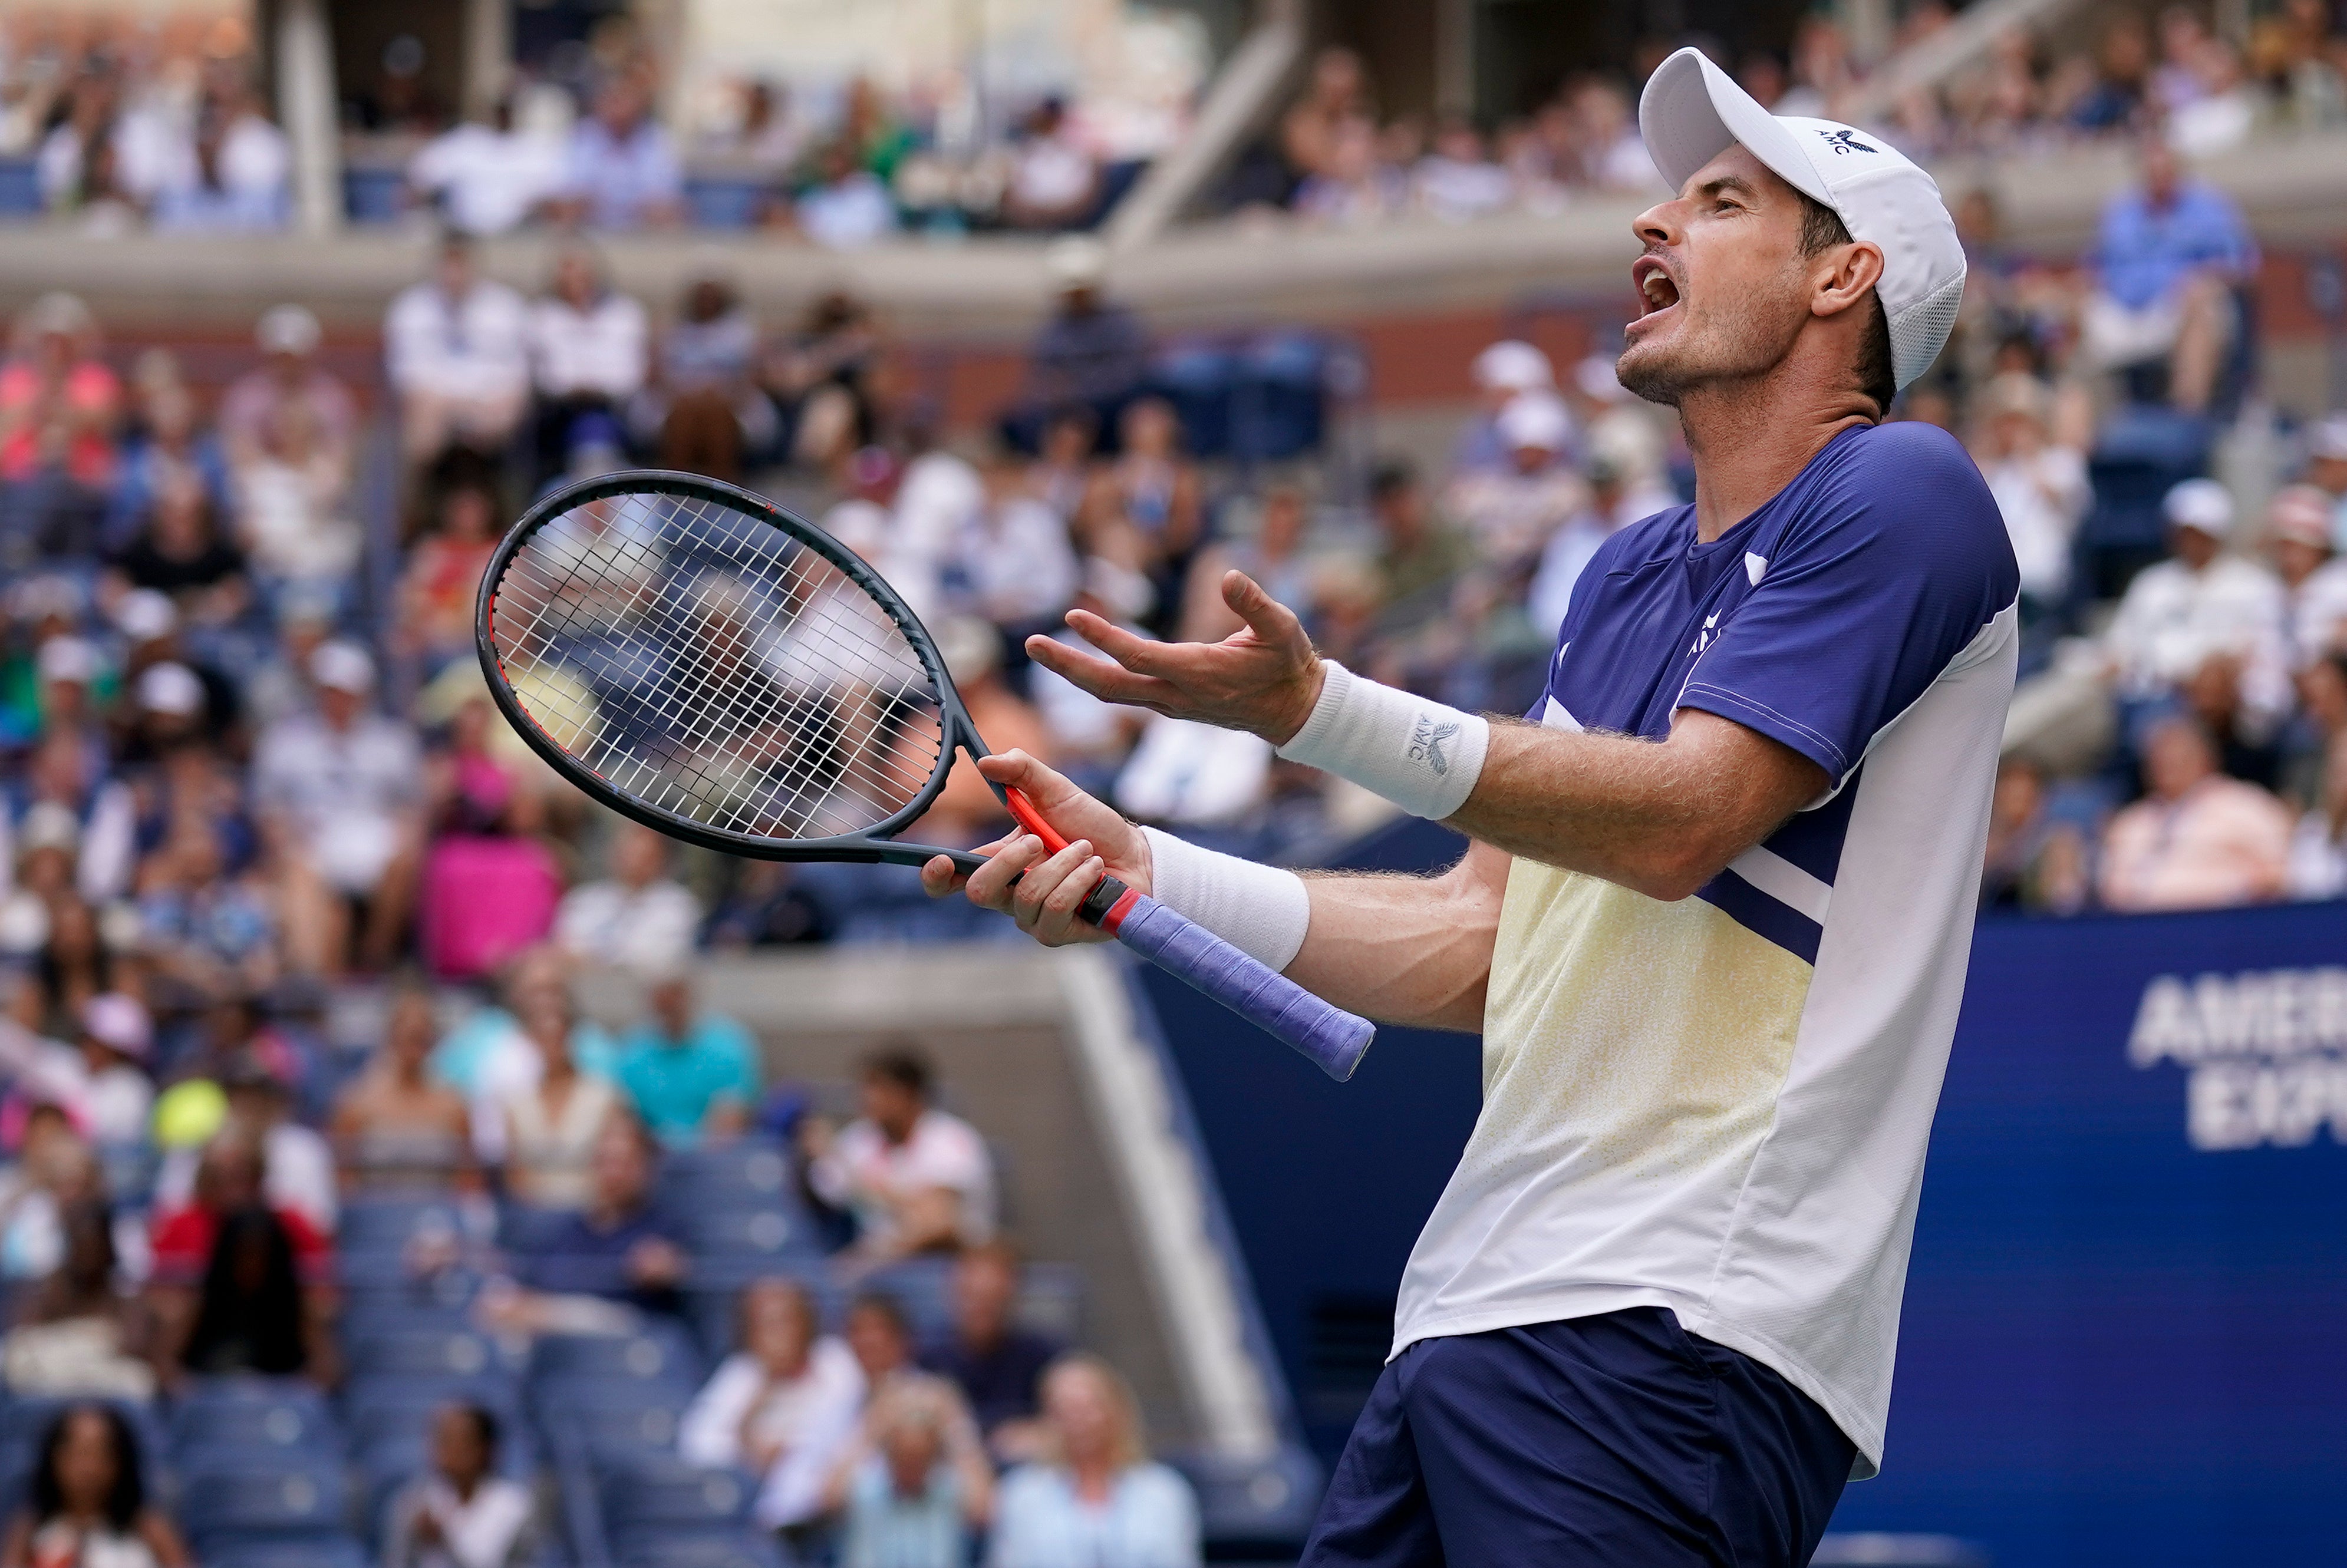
(2300, 512)
(144, 615)
(1076, 261)
(48, 825)
(1537, 420)
(287, 329)
(117, 1022)
(341, 666)
(1595, 376)
(171, 688)
(2201, 505)
(68, 659)
(1513, 365)
(2330, 439)
(1692, 111)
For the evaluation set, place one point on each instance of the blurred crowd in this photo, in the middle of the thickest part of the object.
(133, 120)
(1336, 160)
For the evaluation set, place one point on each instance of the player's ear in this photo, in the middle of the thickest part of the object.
(1849, 272)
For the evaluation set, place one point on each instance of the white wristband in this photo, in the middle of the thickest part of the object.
(1417, 754)
(1259, 909)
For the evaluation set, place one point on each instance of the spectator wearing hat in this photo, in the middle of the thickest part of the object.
(289, 377)
(1502, 372)
(637, 917)
(621, 170)
(2198, 840)
(59, 403)
(66, 669)
(1511, 510)
(590, 347)
(2040, 485)
(1092, 354)
(153, 633)
(338, 791)
(457, 351)
(2169, 254)
(65, 802)
(101, 1079)
(2202, 603)
(1616, 498)
(691, 1074)
(1010, 557)
(2313, 580)
(2326, 470)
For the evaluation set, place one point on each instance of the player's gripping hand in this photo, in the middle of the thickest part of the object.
(1039, 890)
(1263, 678)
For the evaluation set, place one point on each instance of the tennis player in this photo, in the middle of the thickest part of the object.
(1714, 921)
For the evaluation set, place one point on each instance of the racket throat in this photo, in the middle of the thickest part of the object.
(1108, 905)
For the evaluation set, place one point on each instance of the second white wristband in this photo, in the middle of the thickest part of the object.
(1259, 909)
(1419, 753)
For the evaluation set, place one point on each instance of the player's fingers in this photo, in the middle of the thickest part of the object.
(1035, 888)
(1057, 923)
(940, 876)
(989, 885)
(1107, 681)
(1265, 616)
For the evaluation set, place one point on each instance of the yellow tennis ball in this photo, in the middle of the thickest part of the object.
(189, 1113)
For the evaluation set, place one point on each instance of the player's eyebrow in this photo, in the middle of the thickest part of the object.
(1724, 183)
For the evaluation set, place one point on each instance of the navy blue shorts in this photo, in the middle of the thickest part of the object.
(1615, 1439)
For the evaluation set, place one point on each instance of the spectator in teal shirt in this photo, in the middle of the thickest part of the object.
(692, 1075)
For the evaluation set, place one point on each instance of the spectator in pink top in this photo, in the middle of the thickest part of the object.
(2198, 840)
(58, 401)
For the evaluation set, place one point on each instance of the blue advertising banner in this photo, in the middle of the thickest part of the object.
(2124, 1338)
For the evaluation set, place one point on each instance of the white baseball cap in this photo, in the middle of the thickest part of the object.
(171, 688)
(287, 329)
(118, 1022)
(342, 666)
(68, 657)
(2330, 438)
(1692, 111)
(1535, 419)
(2303, 513)
(2202, 505)
(1513, 365)
(145, 615)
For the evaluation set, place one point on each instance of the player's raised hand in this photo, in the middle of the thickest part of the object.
(1263, 678)
(1022, 878)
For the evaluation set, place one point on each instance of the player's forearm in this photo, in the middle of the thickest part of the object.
(1659, 819)
(1412, 950)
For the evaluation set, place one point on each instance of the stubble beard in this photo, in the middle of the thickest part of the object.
(1740, 346)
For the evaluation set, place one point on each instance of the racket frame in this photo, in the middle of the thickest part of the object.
(867, 845)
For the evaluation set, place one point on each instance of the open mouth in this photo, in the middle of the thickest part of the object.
(1657, 291)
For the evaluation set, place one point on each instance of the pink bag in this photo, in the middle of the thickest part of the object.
(484, 899)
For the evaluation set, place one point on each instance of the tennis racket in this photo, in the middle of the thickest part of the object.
(721, 670)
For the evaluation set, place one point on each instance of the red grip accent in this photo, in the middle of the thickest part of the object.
(1119, 910)
(1032, 821)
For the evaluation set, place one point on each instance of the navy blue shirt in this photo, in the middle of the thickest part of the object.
(1816, 621)
(576, 1256)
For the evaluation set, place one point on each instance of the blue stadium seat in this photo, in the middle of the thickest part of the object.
(1279, 403)
(426, 1352)
(750, 1172)
(521, 1228)
(263, 1424)
(657, 1497)
(658, 1355)
(388, 1225)
(724, 201)
(293, 1501)
(725, 1237)
(745, 1551)
(20, 189)
(312, 1549)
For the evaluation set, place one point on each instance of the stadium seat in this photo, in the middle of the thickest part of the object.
(388, 1225)
(293, 1503)
(750, 1172)
(746, 1551)
(319, 1549)
(660, 1497)
(425, 1352)
(658, 1355)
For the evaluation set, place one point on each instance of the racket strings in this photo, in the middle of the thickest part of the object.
(705, 662)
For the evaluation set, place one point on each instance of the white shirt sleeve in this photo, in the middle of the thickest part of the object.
(711, 1430)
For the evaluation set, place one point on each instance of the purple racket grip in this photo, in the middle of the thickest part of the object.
(1331, 1037)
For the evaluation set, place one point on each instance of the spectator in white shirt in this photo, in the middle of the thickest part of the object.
(789, 1394)
(1054, 179)
(1615, 500)
(289, 375)
(589, 345)
(461, 1513)
(2318, 850)
(1458, 181)
(339, 793)
(2040, 485)
(96, 1080)
(456, 350)
(1511, 510)
(486, 178)
(916, 1179)
(232, 173)
(1098, 1501)
(2313, 582)
(1012, 557)
(847, 206)
(638, 918)
(2199, 604)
